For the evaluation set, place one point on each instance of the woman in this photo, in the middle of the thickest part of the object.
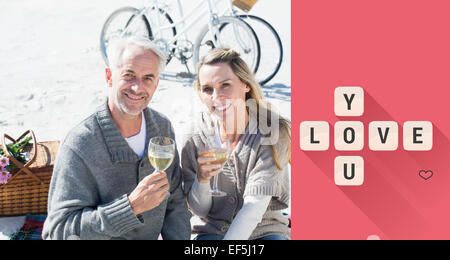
(256, 175)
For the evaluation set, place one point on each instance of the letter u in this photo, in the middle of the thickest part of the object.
(352, 174)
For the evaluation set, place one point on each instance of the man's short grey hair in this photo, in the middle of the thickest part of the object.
(118, 46)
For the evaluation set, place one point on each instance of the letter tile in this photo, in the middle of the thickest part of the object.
(418, 136)
(383, 136)
(349, 101)
(348, 136)
(314, 136)
(349, 171)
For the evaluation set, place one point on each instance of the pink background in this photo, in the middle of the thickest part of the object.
(398, 51)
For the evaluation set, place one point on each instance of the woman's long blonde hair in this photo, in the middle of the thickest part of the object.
(219, 55)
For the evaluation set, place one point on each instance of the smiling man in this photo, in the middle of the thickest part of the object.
(103, 186)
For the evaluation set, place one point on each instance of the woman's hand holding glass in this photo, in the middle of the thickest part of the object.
(211, 161)
(206, 170)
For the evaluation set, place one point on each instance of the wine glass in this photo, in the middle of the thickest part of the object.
(221, 152)
(161, 151)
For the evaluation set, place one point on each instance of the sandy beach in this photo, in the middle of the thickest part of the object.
(52, 73)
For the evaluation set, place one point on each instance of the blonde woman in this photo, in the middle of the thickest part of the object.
(256, 176)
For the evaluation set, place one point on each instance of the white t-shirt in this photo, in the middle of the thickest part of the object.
(137, 142)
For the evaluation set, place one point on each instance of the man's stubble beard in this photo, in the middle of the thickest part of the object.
(120, 104)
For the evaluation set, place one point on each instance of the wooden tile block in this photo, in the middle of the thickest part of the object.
(383, 136)
(349, 171)
(314, 136)
(418, 136)
(348, 136)
(349, 101)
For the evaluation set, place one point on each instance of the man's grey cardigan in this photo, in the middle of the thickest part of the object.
(95, 171)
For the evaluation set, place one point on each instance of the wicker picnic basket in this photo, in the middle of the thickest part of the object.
(244, 5)
(27, 190)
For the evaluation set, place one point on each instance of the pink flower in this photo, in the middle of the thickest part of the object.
(4, 161)
(4, 176)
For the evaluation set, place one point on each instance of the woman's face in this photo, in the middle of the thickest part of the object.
(222, 92)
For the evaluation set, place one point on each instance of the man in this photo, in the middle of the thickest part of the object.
(103, 186)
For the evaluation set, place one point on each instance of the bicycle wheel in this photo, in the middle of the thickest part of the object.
(237, 35)
(271, 48)
(121, 23)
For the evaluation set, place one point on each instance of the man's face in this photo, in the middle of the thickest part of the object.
(134, 82)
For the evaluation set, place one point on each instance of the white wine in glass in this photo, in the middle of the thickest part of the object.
(161, 151)
(160, 160)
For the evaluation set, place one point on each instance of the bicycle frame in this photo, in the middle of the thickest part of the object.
(198, 12)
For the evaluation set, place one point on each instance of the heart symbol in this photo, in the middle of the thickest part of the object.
(425, 174)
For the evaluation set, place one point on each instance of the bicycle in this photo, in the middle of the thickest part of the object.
(133, 21)
(221, 31)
